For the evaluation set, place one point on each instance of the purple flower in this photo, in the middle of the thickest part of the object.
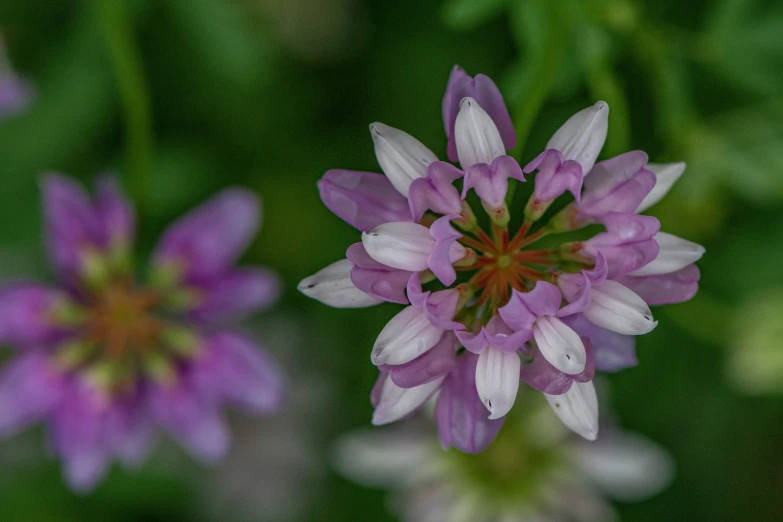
(546, 316)
(106, 362)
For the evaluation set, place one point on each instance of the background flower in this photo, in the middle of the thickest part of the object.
(534, 472)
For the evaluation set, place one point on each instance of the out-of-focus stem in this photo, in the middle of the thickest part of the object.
(132, 84)
(543, 72)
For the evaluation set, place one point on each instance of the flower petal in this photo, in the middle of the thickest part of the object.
(362, 199)
(30, 389)
(405, 246)
(582, 137)
(26, 314)
(206, 241)
(408, 335)
(73, 227)
(497, 380)
(395, 403)
(617, 308)
(446, 251)
(523, 308)
(115, 212)
(237, 294)
(130, 432)
(376, 279)
(578, 409)
(666, 175)
(612, 351)
(192, 420)
(434, 363)
(491, 181)
(380, 457)
(477, 137)
(461, 414)
(436, 192)
(675, 287)
(402, 157)
(235, 369)
(486, 93)
(561, 346)
(627, 466)
(79, 437)
(333, 286)
(674, 254)
(541, 375)
(15, 94)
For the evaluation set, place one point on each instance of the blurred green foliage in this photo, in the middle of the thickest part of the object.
(200, 94)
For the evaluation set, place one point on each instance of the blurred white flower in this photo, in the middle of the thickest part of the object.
(526, 475)
(317, 30)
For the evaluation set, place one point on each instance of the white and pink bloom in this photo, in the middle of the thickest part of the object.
(107, 362)
(486, 306)
(535, 471)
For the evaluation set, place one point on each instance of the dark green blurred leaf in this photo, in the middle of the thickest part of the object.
(469, 14)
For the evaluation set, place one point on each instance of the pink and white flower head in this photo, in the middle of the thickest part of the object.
(486, 306)
(107, 362)
(535, 471)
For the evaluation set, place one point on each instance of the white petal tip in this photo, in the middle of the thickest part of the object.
(590, 434)
(467, 100)
(572, 366)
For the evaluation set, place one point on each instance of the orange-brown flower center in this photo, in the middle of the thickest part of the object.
(121, 319)
(503, 264)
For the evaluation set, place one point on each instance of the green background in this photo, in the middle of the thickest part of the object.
(184, 97)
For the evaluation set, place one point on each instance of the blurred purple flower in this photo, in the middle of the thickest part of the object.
(16, 93)
(106, 362)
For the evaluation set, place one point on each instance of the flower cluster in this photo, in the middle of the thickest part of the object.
(494, 294)
(106, 361)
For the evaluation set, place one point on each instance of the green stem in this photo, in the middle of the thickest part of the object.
(132, 84)
(543, 72)
(668, 83)
(604, 84)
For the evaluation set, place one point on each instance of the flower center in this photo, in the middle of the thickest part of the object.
(503, 263)
(122, 333)
(121, 319)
